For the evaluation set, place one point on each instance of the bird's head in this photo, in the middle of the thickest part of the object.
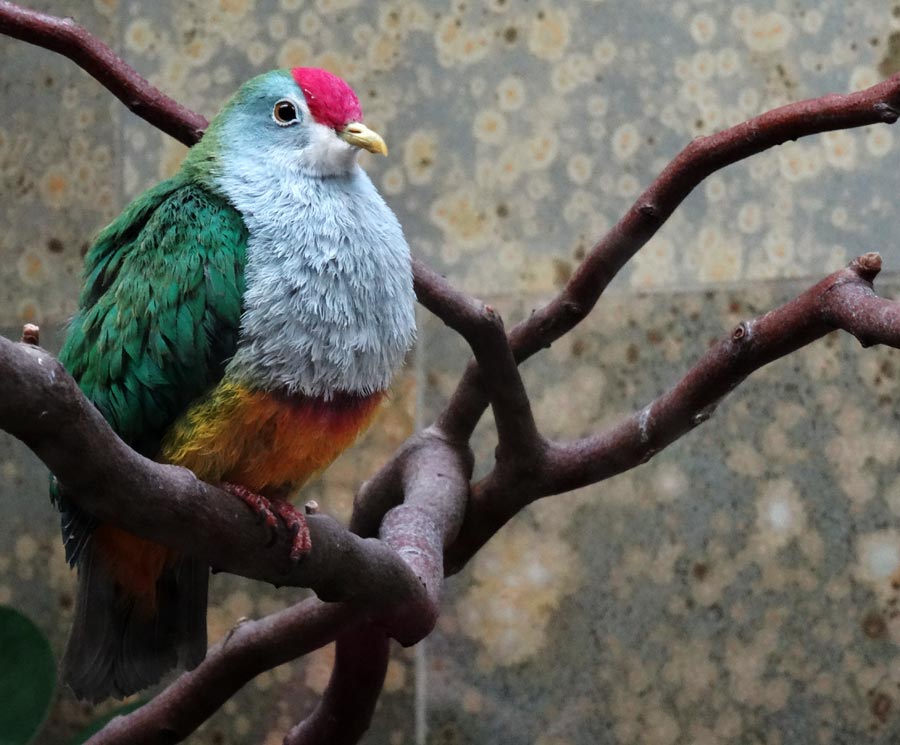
(306, 117)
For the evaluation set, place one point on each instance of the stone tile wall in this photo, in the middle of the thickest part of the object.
(739, 588)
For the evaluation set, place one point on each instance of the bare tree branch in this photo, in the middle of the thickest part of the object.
(437, 486)
(481, 326)
(420, 505)
(843, 300)
(702, 157)
(250, 649)
(345, 710)
(66, 37)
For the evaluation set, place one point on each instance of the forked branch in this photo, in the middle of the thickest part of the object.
(702, 157)
(419, 511)
(845, 300)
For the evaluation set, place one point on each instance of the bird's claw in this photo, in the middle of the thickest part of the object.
(293, 519)
(261, 507)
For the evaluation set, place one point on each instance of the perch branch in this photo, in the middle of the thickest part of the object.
(176, 508)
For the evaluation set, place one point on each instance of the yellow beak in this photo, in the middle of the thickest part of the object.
(358, 134)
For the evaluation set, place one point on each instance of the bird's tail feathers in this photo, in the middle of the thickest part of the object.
(119, 645)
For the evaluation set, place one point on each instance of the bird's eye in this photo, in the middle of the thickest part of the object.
(284, 113)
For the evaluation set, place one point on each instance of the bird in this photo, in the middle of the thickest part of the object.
(243, 319)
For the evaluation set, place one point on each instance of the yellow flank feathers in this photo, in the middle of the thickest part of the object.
(267, 442)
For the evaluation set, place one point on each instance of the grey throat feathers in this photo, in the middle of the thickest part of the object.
(329, 304)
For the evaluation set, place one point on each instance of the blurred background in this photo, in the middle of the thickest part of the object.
(740, 587)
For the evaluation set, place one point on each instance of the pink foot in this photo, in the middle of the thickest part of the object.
(256, 502)
(296, 522)
(267, 509)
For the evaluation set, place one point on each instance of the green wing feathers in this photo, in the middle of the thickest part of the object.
(158, 319)
(160, 311)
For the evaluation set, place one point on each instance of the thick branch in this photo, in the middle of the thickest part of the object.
(66, 37)
(176, 508)
(432, 473)
(843, 300)
(418, 501)
(435, 480)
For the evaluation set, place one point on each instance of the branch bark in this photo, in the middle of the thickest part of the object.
(845, 300)
(345, 710)
(250, 649)
(481, 326)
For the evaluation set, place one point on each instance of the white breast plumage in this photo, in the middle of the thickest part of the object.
(329, 304)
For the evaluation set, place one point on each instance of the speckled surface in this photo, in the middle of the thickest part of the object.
(739, 588)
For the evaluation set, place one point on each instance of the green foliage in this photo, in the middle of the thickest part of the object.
(27, 677)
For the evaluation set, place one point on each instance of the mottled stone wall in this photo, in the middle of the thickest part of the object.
(739, 588)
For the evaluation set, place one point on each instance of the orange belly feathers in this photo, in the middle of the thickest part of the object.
(269, 443)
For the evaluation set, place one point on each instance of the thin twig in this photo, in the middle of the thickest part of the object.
(31, 334)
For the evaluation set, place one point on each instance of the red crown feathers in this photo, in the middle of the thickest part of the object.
(331, 101)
